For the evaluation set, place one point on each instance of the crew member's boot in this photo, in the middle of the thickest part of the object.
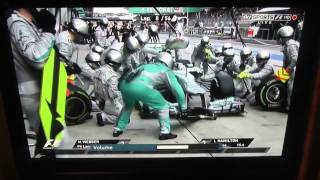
(167, 136)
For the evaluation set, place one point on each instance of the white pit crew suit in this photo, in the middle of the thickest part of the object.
(67, 47)
(290, 56)
(107, 93)
(101, 37)
(31, 49)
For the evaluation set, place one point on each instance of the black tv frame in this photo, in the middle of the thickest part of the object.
(246, 167)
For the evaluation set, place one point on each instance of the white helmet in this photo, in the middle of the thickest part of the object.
(226, 46)
(228, 53)
(113, 56)
(132, 44)
(285, 32)
(165, 58)
(98, 49)
(153, 30)
(218, 51)
(142, 38)
(246, 52)
(104, 21)
(93, 60)
(262, 57)
(205, 40)
(79, 26)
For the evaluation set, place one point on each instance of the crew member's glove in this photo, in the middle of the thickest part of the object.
(72, 68)
(244, 74)
(46, 21)
(208, 54)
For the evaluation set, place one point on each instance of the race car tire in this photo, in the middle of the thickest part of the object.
(222, 86)
(78, 106)
(272, 94)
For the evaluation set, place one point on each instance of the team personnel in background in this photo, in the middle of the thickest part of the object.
(178, 27)
(101, 33)
(290, 49)
(125, 31)
(91, 32)
(132, 30)
(106, 88)
(31, 48)
(115, 31)
(143, 85)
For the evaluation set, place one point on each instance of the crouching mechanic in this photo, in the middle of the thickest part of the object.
(262, 72)
(106, 88)
(144, 85)
(247, 63)
(92, 63)
(231, 64)
(290, 50)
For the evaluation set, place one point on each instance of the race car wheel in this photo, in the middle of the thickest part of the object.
(222, 86)
(78, 106)
(272, 95)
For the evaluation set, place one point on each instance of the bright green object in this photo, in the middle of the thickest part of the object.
(243, 75)
(53, 98)
(208, 54)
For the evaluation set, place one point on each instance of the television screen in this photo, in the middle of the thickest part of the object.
(128, 82)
